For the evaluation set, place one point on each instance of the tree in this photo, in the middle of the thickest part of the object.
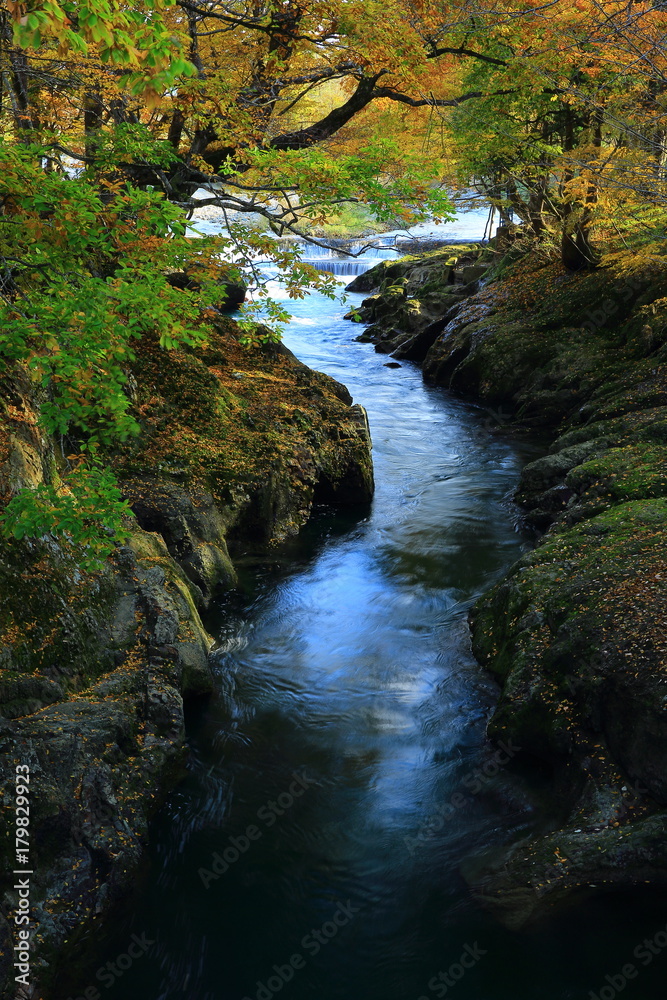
(111, 116)
(232, 115)
(553, 108)
(568, 129)
(114, 115)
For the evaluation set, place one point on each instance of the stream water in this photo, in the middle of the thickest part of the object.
(337, 783)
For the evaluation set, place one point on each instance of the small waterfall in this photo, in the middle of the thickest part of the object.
(343, 267)
(343, 261)
(348, 258)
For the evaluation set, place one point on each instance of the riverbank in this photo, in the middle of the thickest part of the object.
(576, 632)
(236, 446)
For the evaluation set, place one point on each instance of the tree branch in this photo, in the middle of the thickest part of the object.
(462, 51)
(332, 122)
(435, 102)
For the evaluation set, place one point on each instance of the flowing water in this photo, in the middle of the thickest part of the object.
(337, 783)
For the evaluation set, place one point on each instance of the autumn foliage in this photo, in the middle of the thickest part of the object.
(113, 116)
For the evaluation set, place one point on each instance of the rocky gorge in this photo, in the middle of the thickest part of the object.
(577, 631)
(236, 445)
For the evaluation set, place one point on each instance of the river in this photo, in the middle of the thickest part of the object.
(337, 782)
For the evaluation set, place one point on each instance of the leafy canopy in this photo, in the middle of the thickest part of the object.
(117, 120)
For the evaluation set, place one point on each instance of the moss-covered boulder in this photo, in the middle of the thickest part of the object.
(414, 298)
(578, 635)
(415, 271)
(237, 444)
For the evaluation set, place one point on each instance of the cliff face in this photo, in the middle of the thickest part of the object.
(236, 446)
(577, 632)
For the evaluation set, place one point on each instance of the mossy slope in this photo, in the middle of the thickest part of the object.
(578, 630)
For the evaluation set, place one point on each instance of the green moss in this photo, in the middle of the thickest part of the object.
(586, 603)
(628, 473)
(250, 427)
(50, 620)
(577, 631)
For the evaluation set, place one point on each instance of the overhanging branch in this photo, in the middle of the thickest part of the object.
(435, 102)
(332, 122)
(435, 53)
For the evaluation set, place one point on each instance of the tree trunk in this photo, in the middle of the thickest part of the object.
(93, 109)
(18, 91)
(577, 252)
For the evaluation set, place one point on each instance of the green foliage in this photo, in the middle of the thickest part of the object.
(83, 267)
(133, 38)
(85, 512)
(86, 248)
(83, 262)
(129, 143)
(371, 174)
(84, 270)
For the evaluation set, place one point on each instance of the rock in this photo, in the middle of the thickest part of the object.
(232, 293)
(543, 487)
(576, 631)
(103, 753)
(417, 346)
(472, 273)
(414, 299)
(506, 236)
(193, 532)
(535, 877)
(416, 271)
(392, 364)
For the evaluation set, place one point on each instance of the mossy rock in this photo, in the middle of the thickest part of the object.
(415, 270)
(633, 472)
(538, 876)
(236, 443)
(579, 633)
